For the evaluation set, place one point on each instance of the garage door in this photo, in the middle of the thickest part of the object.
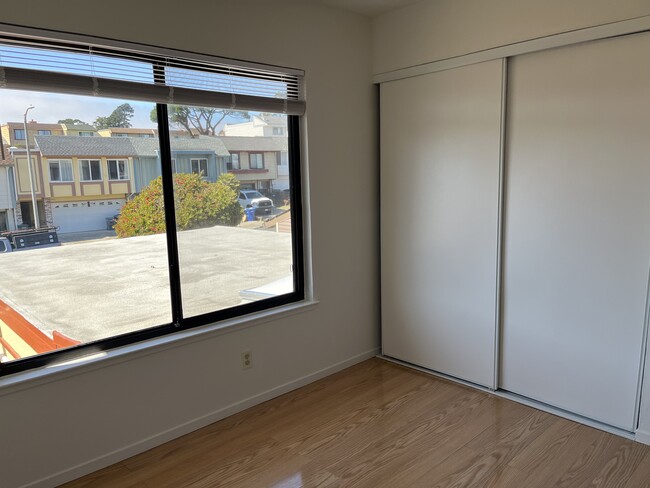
(84, 216)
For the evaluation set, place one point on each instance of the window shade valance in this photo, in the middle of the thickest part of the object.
(37, 64)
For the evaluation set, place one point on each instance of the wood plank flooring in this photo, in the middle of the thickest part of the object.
(380, 425)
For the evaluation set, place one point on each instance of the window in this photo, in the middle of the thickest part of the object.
(90, 169)
(200, 167)
(278, 131)
(233, 161)
(117, 135)
(19, 134)
(283, 158)
(60, 170)
(118, 169)
(183, 257)
(43, 132)
(256, 160)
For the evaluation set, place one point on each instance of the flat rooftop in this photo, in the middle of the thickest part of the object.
(97, 289)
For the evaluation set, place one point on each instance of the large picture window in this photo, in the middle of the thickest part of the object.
(156, 234)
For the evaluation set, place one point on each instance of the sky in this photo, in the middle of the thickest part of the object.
(49, 108)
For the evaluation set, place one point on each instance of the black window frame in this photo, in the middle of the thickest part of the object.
(179, 322)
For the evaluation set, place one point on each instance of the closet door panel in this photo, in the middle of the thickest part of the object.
(577, 227)
(440, 141)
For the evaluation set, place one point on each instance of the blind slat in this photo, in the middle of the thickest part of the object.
(48, 65)
(27, 79)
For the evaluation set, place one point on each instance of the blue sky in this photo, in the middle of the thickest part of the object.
(51, 107)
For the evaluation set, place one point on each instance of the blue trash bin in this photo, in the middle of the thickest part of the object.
(250, 214)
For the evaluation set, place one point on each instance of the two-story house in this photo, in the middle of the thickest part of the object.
(258, 162)
(13, 133)
(81, 130)
(85, 179)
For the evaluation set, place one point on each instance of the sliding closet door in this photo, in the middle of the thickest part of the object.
(577, 240)
(440, 138)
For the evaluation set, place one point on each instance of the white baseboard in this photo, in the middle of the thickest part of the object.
(190, 426)
(642, 436)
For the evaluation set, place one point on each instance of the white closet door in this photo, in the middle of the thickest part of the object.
(577, 240)
(440, 138)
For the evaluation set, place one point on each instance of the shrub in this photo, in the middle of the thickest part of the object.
(198, 204)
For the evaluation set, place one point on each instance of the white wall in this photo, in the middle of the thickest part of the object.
(50, 428)
(438, 29)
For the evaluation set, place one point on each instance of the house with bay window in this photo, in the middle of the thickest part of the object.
(259, 163)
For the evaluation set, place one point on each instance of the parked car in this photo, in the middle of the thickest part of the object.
(254, 199)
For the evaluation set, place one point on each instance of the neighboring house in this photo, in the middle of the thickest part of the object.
(85, 179)
(81, 130)
(201, 154)
(7, 193)
(267, 125)
(146, 133)
(89, 179)
(13, 133)
(128, 132)
(258, 162)
(23, 187)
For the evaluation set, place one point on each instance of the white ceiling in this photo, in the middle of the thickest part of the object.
(370, 8)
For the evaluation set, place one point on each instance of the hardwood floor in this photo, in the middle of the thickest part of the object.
(381, 425)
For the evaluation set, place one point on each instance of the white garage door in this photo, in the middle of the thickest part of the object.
(84, 216)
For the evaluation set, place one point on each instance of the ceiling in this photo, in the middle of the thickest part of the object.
(369, 8)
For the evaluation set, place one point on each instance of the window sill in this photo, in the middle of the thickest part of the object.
(58, 371)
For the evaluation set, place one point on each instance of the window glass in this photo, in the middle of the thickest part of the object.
(228, 258)
(98, 265)
(256, 160)
(118, 169)
(61, 170)
(95, 215)
(91, 169)
(200, 167)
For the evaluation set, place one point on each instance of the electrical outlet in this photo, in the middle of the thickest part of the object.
(246, 359)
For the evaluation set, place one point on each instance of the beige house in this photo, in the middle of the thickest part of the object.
(13, 133)
(82, 180)
(258, 162)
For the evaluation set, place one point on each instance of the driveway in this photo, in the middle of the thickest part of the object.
(102, 288)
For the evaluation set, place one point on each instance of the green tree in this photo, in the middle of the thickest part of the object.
(198, 204)
(120, 117)
(203, 120)
(72, 122)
